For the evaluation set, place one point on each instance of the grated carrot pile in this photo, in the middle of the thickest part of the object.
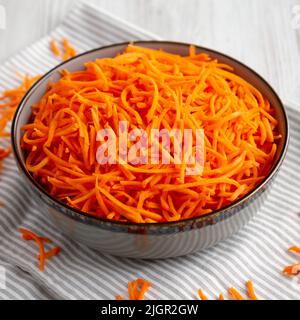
(150, 89)
(43, 255)
(68, 50)
(234, 294)
(293, 269)
(136, 289)
(9, 101)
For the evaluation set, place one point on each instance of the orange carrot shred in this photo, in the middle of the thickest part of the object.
(37, 239)
(43, 255)
(28, 237)
(201, 295)
(295, 249)
(9, 100)
(235, 294)
(221, 297)
(4, 153)
(292, 270)
(136, 289)
(51, 253)
(250, 290)
(69, 50)
(54, 48)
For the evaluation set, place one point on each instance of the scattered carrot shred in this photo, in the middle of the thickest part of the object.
(150, 89)
(136, 289)
(40, 243)
(295, 268)
(292, 270)
(54, 48)
(235, 294)
(221, 297)
(51, 253)
(4, 153)
(9, 100)
(69, 50)
(295, 249)
(201, 295)
(250, 290)
(43, 255)
(28, 237)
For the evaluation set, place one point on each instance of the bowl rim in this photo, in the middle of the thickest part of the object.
(79, 215)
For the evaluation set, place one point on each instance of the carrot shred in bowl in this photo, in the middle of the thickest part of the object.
(150, 89)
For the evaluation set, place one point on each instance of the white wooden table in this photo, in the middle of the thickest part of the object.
(265, 34)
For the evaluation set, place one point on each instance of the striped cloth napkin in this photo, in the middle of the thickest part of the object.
(257, 252)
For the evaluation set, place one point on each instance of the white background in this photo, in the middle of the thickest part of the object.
(260, 33)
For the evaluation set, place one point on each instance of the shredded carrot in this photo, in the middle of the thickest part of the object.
(9, 100)
(136, 289)
(4, 153)
(250, 290)
(51, 253)
(54, 48)
(28, 237)
(201, 295)
(235, 294)
(43, 255)
(69, 50)
(38, 240)
(295, 249)
(292, 270)
(150, 89)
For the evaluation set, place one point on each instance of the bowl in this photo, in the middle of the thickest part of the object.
(153, 240)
